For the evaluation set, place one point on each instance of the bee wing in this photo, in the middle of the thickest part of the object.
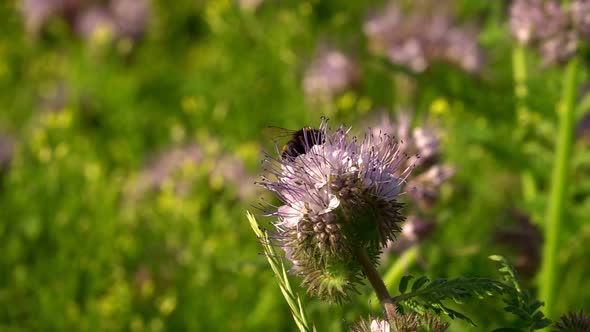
(272, 132)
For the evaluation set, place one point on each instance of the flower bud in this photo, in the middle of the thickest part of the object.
(573, 322)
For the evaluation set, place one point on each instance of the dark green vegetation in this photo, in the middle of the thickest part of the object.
(92, 240)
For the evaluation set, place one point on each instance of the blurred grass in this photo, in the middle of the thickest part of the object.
(79, 254)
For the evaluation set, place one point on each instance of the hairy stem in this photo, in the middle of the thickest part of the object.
(375, 279)
(558, 194)
(402, 263)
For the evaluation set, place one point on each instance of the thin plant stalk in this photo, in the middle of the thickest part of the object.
(559, 184)
(519, 70)
(397, 270)
(280, 272)
(521, 92)
(375, 279)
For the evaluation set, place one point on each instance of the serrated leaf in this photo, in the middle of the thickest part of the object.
(496, 258)
(540, 324)
(429, 296)
(403, 283)
(456, 314)
(419, 283)
(519, 302)
(535, 305)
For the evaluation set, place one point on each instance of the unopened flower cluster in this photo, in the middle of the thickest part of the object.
(402, 322)
(416, 40)
(338, 197)
(553, 28)
(120, 18)
(428, 176)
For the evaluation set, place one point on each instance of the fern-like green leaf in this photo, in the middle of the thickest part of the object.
(426, 295)
(403, 283)
(519, 302)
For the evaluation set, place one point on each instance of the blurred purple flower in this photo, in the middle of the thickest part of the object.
(249, 5)
(580, 10)
(421, 38)
(130, 16)
(462, 49)
(583, 129)
(423, 144)
(551, 27)
(6, 151)
(92, 20)
(331, 73)
(559, 48)
(425, 187)
(38, 13)
(532, 20)
(122, 18)
(424, 184)
(164, 166)
(230, 169)
(414, 231)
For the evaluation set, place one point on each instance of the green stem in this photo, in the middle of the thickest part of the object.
(520, 73)
(521, 91)
(395, 273)
(375, 279)
(558, 194)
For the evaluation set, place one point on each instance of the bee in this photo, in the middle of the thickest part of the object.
(300, 141)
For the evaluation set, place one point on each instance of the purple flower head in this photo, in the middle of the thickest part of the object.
(340, 194)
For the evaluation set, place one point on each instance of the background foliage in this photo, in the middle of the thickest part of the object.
(84, 249)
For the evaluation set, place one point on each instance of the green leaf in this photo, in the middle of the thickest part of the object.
(419, 283)
(429, 295)
(519, 302)
(403, 283)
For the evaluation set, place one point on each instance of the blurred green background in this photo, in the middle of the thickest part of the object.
(128, 153)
